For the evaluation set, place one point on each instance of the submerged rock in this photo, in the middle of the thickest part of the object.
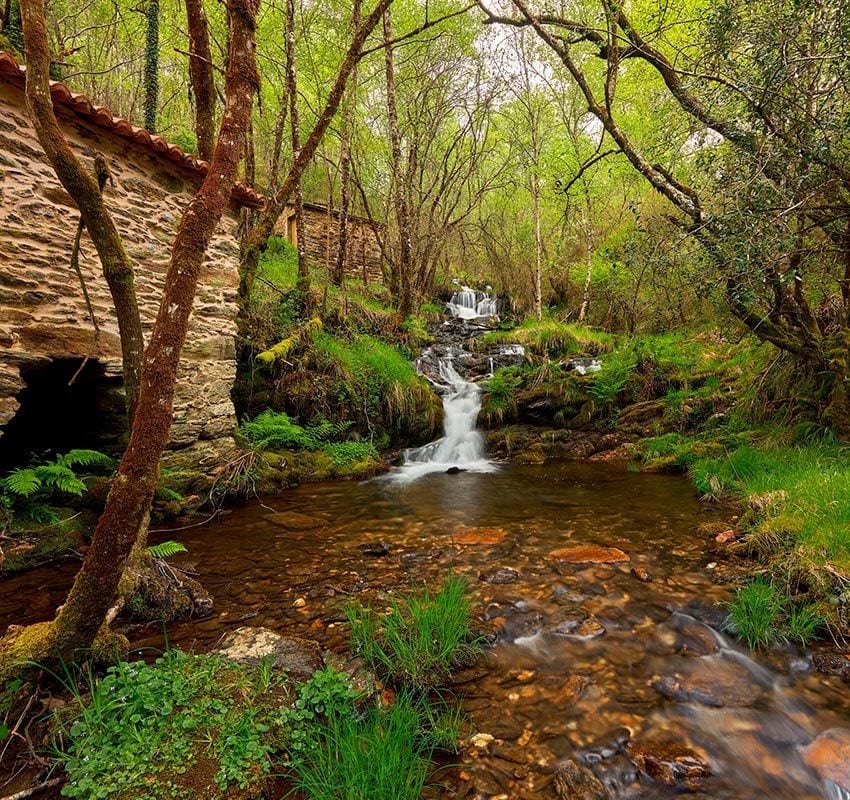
(299, 658)
(375, 549)
(500, 576)
(575, 782)
(294, 521)
(710, 682)
(829, 757)
(589, 554)
(671, 763)
(641, 574)
(463, 534)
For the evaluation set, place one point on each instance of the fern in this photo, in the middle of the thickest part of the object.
(166, 549)
(58, 477)
(22, 482)
(85, 458)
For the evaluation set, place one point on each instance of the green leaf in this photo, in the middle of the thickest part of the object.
(166, 549)
(22, 482)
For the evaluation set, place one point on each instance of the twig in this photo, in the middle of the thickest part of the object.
(22, 795)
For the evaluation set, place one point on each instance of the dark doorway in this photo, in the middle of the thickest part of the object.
(55, 417)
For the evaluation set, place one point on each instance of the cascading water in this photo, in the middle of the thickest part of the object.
(461, 445)
(470, 304)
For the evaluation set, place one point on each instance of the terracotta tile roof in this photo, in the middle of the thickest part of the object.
(80, 105)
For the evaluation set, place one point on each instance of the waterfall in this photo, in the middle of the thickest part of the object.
(461, 445)
(469, 304)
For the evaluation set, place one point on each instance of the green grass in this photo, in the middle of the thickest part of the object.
(145, 729)
(279, 264)
(382, 754)
(550, 336)
(420, 637)
(754, 614)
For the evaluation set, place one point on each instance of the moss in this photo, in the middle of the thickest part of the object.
(34, 546)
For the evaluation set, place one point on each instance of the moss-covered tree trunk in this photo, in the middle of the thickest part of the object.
(403, 256)
(201, 75)
(84, 189)
(128, 505)
(151, 64)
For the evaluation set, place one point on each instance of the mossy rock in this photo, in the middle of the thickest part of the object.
(37, 545)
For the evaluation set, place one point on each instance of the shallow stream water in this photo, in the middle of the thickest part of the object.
(582, 650)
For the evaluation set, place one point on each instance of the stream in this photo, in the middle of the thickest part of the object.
(590, 663)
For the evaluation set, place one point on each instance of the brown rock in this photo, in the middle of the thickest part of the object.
(831, 661)
(711, 683)
(463, 534)
(668, 762)
(829, 757)
(641, 574)
(724, 537)
(589, 554)
(575, 782)
(294, 521)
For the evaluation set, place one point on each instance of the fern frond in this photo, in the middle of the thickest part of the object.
(85, 458)
(60, 478)
(22, 482)
(166, 549)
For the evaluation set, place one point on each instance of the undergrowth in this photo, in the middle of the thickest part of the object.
(420, 637)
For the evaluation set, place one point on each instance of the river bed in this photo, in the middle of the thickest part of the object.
(583, 652)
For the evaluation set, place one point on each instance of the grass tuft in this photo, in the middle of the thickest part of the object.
(754, 614)
(420, 638)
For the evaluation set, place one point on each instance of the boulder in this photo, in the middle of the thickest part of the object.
(299, 658)
(829, 757)
(576, 782)
(710, 682)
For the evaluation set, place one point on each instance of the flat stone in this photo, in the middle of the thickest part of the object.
(829, 757)
(641, 574)
(565, 620)
(589, 554)
(292, 520)
(299, 658)
(576, 782)
(463, 534)
(671, 763)
(709, 682)
(693, 637)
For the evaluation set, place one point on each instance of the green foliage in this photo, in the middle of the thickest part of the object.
(273, 429)
(166, 549)
(31, 491)
(279, 264)
(754, 613)
(144, 729)
(420, 637)
(804, 622)
(381, 754)
(551, 336)
(500, 393)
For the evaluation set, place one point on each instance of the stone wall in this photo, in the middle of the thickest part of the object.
(42, 311)
(363, 254)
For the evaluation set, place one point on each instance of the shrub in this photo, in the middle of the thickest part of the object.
(185, 726)
(421, 637)
(754, 614)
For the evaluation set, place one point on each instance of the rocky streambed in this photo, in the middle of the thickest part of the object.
(606, 674)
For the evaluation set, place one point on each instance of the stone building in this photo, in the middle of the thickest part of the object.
(321, 226)
(60, 383)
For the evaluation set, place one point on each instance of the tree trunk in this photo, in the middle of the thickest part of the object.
(128, 505)
(151, 64)
(263, 228)
(338, 274)
(303, 282)
(538, 246)
(588, 272)
(84, 189)
(201, 75)
(403, 257)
